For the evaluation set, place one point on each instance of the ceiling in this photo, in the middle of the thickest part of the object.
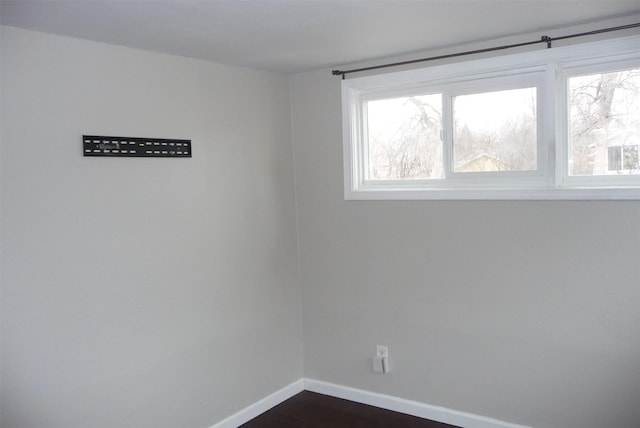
(298, 35)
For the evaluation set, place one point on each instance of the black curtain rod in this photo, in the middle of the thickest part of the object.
(544, 39)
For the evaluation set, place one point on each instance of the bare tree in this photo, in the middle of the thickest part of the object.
(599, 118)
(413, 150)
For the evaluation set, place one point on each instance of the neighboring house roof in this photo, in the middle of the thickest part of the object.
(483, 162)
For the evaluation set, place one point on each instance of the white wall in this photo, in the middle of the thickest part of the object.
(526, 312)
(143, 292)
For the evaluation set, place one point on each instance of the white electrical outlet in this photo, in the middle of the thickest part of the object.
(381, 359)
(382, 351)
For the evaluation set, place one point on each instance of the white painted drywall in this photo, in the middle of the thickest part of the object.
(143, 292)
(526, 312)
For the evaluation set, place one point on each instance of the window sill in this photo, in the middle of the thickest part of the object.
(395, 193)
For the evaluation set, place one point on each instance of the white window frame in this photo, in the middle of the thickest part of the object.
(580, 68)
(547, 69)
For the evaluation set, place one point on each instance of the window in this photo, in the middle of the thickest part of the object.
(623, 159)
(403, 138)
(604, 123)
(495, 131)
(562, 123)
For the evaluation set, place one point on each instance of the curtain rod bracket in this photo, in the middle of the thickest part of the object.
(547, 40)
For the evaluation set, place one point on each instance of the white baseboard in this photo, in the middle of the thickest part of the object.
(389, 402)
(427, 411)
(248, 413)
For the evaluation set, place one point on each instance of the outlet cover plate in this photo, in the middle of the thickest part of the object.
(382, 351)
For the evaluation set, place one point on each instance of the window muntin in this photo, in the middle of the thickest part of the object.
(604, 123)
(495, 131)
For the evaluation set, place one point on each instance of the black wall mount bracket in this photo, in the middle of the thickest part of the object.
(100, 145)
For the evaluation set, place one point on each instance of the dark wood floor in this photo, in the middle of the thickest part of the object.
(312, 410)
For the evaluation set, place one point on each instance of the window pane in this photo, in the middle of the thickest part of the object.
(604, 124)
(495, 131)
(404, 138)
(615, 158)
(630, 158)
